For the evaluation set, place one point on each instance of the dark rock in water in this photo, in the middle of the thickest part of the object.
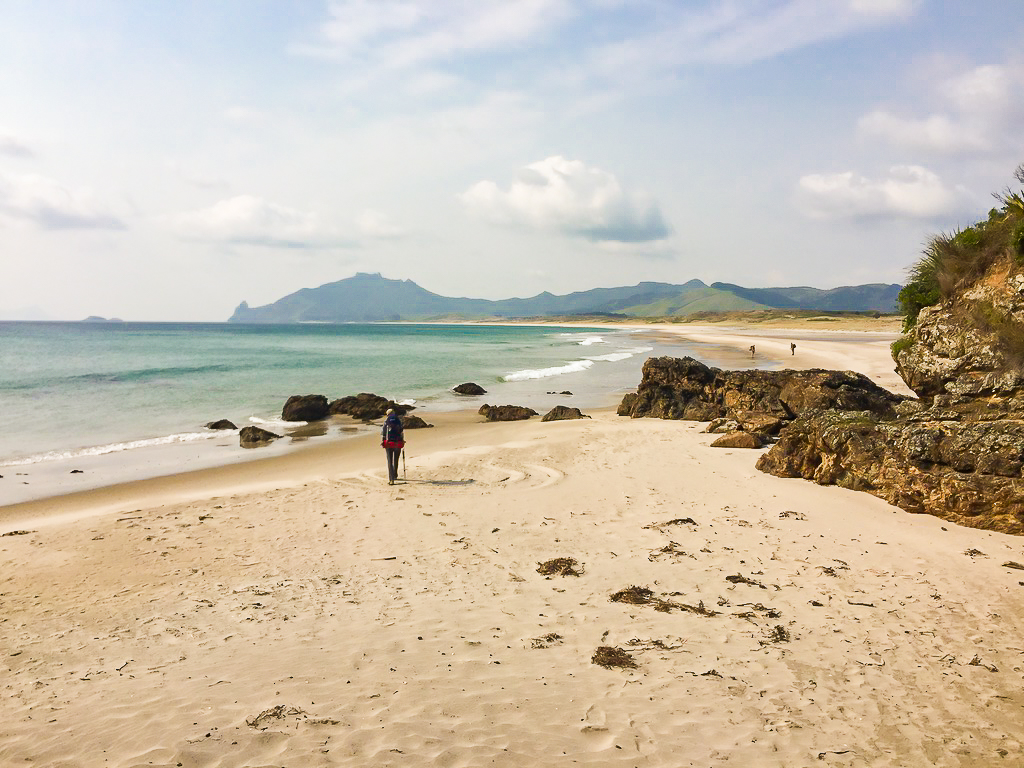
(305, 408)
(506, 412)
(77, 472)
(563, 392)
(413, 422)
(367, 406)
(469, 388)
(967, 473)
(252, 437)
(221, 424)
(738, 440)
(563, 412)
(684, 388)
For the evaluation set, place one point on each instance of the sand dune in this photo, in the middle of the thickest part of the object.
(301, 612)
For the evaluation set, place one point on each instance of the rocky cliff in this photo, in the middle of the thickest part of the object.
(958, 451)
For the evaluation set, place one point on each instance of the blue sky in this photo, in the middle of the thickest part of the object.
(166, 160)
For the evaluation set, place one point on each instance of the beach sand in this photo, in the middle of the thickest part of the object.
(298, 611)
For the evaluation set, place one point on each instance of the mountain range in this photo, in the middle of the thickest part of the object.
(373, 298)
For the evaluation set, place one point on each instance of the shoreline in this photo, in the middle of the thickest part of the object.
(854, 349)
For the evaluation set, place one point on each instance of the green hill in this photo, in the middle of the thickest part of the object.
(372, 298)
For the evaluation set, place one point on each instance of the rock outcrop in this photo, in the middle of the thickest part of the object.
(957, 452)
(413, 422)
(506, 412)
(738, 440)
(469, 388)
(967, 353)
(562, 413)
(221, 424)
(366, 406)
(964, 472)
(305, 408)
(253, 437)
(760, 401)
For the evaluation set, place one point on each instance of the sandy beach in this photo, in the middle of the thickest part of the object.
(298, 611)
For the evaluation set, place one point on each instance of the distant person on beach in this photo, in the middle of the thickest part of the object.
(751, 350)
(393, 441)
(792, 347)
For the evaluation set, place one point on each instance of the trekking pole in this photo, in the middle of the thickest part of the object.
(403, 464)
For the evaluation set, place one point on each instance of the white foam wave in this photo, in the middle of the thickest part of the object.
(407, 401)
(543, 373)
(102, 450)
(625, 354)
(276, 423)
(591, 340)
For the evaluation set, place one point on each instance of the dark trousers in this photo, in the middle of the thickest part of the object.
(393, 454)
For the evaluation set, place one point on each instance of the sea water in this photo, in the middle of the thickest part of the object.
(70, 391)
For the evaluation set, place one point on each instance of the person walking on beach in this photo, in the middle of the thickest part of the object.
(393, 441)
(792, 347)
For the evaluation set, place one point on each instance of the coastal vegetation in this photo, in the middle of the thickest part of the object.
(952, 262)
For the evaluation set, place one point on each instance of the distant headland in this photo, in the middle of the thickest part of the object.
(370, 297)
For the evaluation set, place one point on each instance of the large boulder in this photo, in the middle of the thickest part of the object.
(366, 406)
(506, 412)
(562, 413)
(684, 388)
(469, 388)
(221, 424)
(738, 439)
(253, 437)
(305, 408)
(413, 422)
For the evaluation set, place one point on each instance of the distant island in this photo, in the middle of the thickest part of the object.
(98, 319)
(369, 297)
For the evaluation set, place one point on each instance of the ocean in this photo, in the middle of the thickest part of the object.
(71, 391)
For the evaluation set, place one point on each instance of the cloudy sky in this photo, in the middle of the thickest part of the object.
(166, 160)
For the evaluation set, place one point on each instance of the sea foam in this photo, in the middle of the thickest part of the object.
(102, 450)
(542, 373)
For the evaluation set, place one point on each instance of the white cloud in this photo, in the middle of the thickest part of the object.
(401, 33)
(250, 220)
(49, 205)
(937, 133)
(566, 196)
(979, 112)
(896, 8)
(375, 224)
(909, 191)
(12, 147)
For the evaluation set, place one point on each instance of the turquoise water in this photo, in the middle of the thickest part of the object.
(69, 389)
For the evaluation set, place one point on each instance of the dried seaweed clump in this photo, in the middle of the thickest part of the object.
(778, 634)
(546, 641)
(264, 719)
(610, 657)
(560, 566)
(633, 595)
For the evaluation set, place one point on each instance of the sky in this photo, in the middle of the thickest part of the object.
(165, 161)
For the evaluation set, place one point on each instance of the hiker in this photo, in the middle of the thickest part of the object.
(792, 347)
(392, 440)
(751, 350)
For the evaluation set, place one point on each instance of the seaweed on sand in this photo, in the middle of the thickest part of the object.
(635, 595)
(546, 641)
(610, 657)
(560, 566)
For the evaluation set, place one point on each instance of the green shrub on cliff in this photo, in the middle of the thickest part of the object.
(952, 262)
